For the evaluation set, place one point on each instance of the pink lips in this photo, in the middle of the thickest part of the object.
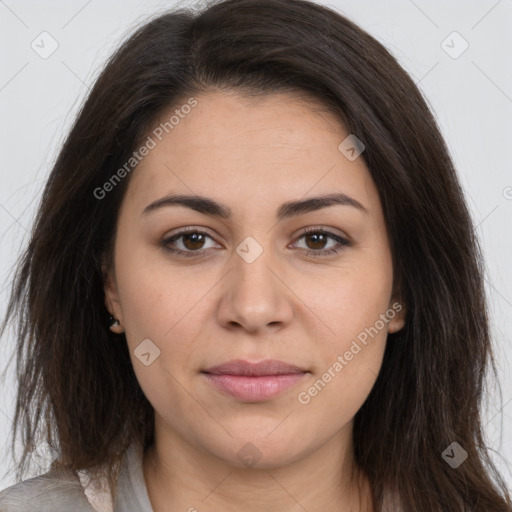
(254, 382)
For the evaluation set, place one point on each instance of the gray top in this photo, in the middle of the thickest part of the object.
(69, 492)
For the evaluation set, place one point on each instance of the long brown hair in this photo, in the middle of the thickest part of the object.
(76, 386)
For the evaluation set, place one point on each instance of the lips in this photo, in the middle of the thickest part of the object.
(247, 368)
(254, 382)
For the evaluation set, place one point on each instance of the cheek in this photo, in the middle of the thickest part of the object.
(162, 305)
(350, 366)
(355, 308)
(352, 301)
(152, 299)
(335, 396)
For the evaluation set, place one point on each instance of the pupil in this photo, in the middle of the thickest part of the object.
(319, 240)
(195, 238)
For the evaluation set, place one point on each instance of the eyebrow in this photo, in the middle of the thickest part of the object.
(208, 206)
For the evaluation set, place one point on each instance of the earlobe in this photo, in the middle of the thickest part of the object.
(397, 314)
(395, 326)
(115, 325)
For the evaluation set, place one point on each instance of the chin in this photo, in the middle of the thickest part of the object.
(258, 451)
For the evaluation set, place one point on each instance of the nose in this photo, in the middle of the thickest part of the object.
(255, 296)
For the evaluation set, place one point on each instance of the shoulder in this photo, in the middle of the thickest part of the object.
(51, 492)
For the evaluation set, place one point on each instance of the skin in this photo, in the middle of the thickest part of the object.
(253, 154)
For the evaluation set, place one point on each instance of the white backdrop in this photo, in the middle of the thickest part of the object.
(457, 51)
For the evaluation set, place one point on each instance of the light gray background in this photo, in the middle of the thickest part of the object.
(471, 96)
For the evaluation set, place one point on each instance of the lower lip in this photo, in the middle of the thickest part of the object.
(254, 388)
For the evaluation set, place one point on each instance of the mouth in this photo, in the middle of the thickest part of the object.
(254, 382)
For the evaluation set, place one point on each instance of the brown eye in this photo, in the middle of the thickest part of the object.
(317, 239)
(190, 242)
(193, 241)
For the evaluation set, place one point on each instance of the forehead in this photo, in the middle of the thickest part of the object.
(281, 144)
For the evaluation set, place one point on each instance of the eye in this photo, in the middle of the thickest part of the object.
(317, 238)
(193, 240)
(192, 243)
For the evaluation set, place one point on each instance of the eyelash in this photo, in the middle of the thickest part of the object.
(343, 242)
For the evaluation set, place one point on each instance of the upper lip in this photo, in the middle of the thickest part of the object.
(266, 367)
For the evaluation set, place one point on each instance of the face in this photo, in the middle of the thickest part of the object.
(309, 286)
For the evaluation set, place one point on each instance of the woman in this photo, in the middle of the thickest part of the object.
(253, 283)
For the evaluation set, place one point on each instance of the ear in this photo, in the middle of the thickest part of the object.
(112, 302)
(396, 314)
